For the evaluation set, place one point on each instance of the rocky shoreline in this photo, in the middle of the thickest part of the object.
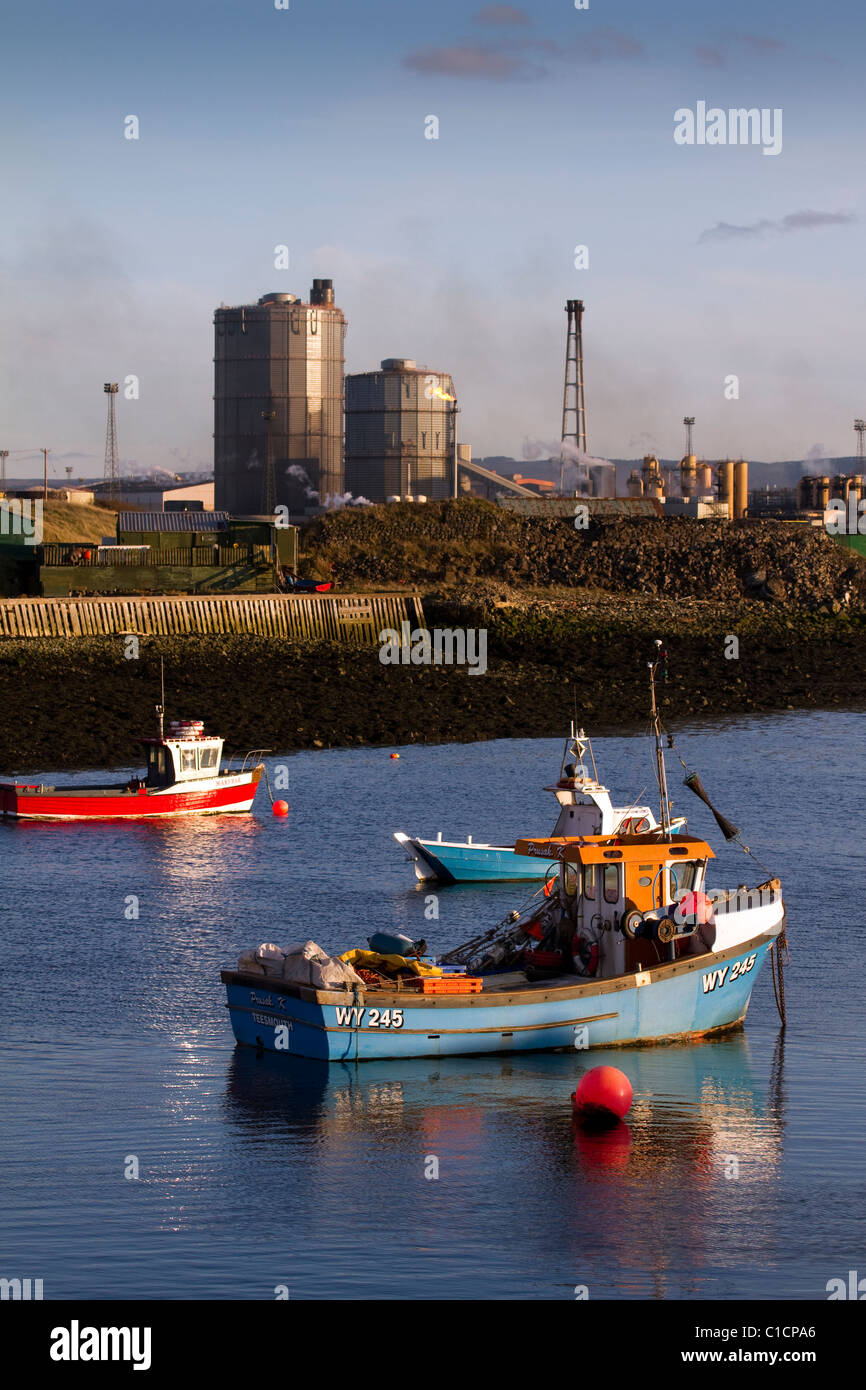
(77, 703)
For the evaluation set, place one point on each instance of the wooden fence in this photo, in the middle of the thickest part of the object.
(352, 618)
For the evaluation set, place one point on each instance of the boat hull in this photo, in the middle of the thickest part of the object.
(679, 1001)
(437, 861)
(231, 793)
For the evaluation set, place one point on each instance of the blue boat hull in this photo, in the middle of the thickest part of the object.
(469, 863)
(684, 999)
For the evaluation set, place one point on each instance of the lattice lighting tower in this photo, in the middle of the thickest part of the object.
(112, 465)
(860, 427)
(573, 397)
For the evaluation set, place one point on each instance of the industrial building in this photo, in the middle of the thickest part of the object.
(182, 552)
(400, 432)
(147, 495)
(278, 402)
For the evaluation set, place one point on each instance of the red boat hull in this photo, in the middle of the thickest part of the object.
(22, 801)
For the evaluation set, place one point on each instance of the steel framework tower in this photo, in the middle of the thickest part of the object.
(573, 398)
(112, 467)
(860, 427)
(688, 421)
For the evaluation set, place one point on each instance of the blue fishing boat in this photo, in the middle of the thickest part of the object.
(630, 946)
(585, 808)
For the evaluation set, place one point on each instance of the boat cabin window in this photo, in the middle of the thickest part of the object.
(187, 759)
(682, 877)
(589, 890)
(611, 883)
(569, 879)
(208, 757)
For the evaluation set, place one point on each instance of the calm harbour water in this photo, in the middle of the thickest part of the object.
(256, 1173)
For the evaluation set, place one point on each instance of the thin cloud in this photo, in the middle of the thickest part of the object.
(759, 43)
(472, 60)
(506, 59)
(503, 14)
(717, 55)
(805, 220)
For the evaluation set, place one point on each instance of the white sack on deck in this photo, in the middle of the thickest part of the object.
(310, 965)
(266, 959)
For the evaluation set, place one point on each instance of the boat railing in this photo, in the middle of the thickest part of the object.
(240, 762)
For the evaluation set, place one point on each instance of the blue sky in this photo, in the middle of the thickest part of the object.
(305, 127)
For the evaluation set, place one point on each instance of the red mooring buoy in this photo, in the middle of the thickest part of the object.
(602, 1093)
(281, 808)
(395, 755)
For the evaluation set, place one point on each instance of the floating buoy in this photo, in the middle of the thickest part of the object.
(602, 1093)
(395, 755)
(281, 808)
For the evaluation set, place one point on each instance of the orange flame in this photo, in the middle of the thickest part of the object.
(443, 395)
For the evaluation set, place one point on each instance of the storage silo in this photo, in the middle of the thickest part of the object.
(278, 401)
(822, 493)
(725, 484)
(400, 432)
(741, 488)
(705, 478)
(688, 475)
(634, 485)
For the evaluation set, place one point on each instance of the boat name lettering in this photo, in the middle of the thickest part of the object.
(260, 998)
(714, 979)
(377, 1018)
(271, 1021)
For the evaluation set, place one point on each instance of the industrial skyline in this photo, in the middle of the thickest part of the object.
(551, 173)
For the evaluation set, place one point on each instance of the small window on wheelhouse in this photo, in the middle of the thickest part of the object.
(589, 888)
(611, 883)
(208, 757)
(187, 760)
(569, 879)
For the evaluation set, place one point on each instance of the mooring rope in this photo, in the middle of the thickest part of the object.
(777, 964)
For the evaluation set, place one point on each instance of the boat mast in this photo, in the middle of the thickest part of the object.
(160, 708)
(661, 771)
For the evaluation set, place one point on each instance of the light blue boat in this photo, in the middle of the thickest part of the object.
(585, 808)
(674, 1001)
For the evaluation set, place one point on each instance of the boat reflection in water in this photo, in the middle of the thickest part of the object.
(604, 1208)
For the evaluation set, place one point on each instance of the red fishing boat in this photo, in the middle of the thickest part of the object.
(183, 777)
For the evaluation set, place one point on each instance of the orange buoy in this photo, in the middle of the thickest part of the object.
(603, 1092)
(281, 808)
(395, 755)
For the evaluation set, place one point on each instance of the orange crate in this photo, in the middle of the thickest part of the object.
(444, 984)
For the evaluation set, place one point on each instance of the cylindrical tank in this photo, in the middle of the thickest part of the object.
(634, 486)
(839, 487)
(688, 475)
(858, 486)
(741, 488)
(322, 292)
(725, 475)
(705, 478)
(822, 492)
(806, 494)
